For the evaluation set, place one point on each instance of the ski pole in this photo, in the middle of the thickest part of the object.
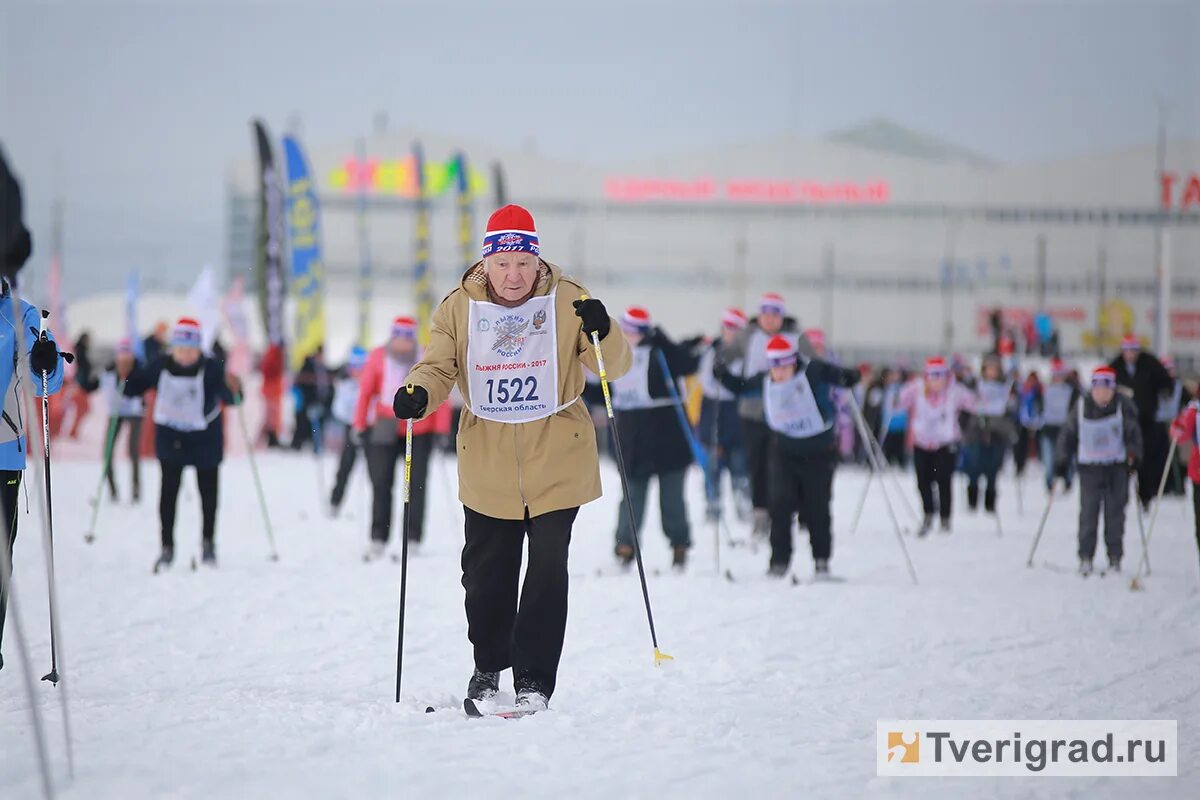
(47, 524)
(262, 499)
(90, 536)
(406, 526)
(1041, 526)
(698, 453)
(8, 599)
(1145, 561)
(864, 431)
(712, 480)
(659, 655)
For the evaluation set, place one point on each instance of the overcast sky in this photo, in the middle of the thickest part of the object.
(133, 111)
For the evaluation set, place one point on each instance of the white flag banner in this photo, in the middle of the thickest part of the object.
(205, 300)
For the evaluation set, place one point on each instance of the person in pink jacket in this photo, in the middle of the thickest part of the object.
(382, 435)
(934, 402)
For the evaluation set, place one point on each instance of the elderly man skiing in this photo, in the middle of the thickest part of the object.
(515, 337)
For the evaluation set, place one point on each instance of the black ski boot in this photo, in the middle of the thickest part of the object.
(945, 524)
(821, 569)
(165, 559)
(777, 570)
(1085, 567)
(624, 553)
(679, 558)
(208, 553)
(1114, 565)
(483, 685)
(973, 496)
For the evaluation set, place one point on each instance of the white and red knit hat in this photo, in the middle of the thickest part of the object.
(1104, 376)
(511, 230)
(1131, 342)
(815, 336)
(404, 328)
(1168, 363)
(125, 346)
(780, 351)
(187, 333)
(734, 318)
(1058, 368)
(636, 319)
(772, 303)
(936, 367)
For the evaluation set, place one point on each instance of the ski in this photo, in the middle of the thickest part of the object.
(474, 711)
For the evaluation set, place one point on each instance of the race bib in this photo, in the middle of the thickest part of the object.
(791, 409)
(512, 361)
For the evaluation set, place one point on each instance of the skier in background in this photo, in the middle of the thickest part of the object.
(1187, 429)
(314, 392)
(653, 441)
(1170, 405)
(272, 368)
(345, 403)
(935, 404)
(1105, 436)
(799, 408)
(1143, 375)
(989, 433)
(751, 348)
(1058, 400)
(720, 428)
(191, 389)
(123, 412)
(382, 434)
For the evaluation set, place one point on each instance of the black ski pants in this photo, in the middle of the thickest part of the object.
(206, 482)
(135, 456)
(382, 458)
(756, 437)
(935, 468)
(1102, 486)
(801, 484)
(524, 631)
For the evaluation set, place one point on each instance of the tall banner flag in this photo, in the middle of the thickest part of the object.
(498, 185)
(364, 249)
(304, 236)
(206, 307)
(422, 285)
(54, 285)
(268, 266)
(133, 290)
(466, 232)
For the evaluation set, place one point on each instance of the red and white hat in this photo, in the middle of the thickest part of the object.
(404, 328)
(125, 346)
(734, 318)
(772, 303)
(1104, 376)
(636, 319)
(1168, 363)
(1058, 367)
(936, 367)
(511, 230)
(187, 333)
(1131, 342)
(815, 336)
(780, 351)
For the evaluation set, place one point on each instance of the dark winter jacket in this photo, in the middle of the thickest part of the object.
(1068, 437)
(85, 373)
(1149, 379)
(204, 449)
(822, 378)
(719, 419)
(653, 440)
(15, 243)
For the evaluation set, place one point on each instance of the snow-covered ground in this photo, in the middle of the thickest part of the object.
(275, 679)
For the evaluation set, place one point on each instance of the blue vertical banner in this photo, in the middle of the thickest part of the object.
(304, 238)
(422, 281)
(133, 291)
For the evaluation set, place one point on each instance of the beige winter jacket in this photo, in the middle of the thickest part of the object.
(544, 465)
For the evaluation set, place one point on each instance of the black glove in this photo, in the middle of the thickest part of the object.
(849, 378)
(410, 405)
(43, 356)
(594, 315)
(1135, 464)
